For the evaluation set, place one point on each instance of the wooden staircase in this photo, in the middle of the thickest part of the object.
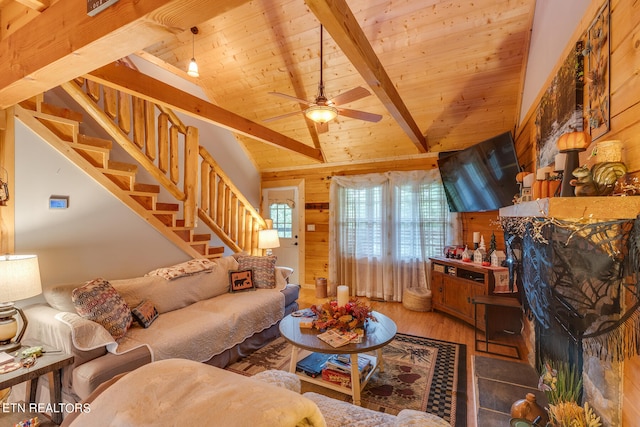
(152, 136)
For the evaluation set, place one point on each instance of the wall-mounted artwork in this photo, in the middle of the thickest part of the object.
(561, 107)
(597, 53)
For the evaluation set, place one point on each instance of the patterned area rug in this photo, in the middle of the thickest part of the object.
(420, 373)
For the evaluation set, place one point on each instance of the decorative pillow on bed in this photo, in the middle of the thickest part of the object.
(264, 270)
(186, 268)
(145, 313)
(98, 301)
(241, 280)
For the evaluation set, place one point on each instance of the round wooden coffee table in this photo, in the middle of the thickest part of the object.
(377, 335)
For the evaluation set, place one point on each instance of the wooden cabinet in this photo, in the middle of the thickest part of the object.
(454, 284)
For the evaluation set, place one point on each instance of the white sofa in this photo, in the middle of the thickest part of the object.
(181, 392)
(199, 319)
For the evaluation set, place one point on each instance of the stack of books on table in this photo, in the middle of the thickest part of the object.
(313, 364)
(337, 369)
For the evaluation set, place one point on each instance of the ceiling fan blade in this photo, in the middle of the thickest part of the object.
(322, 127)
(271, 119)
(360, 115)
(292, 98)
(351, 95)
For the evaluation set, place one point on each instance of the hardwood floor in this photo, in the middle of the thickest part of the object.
(431, 325)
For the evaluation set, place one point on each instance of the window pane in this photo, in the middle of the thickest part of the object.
(281, 214)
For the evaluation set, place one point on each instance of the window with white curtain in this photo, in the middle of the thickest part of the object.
(421, 220)
(384, 228)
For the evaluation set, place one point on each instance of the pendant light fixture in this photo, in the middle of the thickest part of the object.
(193, 65)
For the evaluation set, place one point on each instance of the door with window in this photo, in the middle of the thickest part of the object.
(281, 206)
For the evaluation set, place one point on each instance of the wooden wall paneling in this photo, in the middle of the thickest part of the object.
(631, 392)
(7, 163)
(485, 223)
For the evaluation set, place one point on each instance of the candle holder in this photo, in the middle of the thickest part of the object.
(572, 144)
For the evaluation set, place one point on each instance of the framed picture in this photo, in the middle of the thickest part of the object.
(241, 280)
(597, 51)
(561, 107)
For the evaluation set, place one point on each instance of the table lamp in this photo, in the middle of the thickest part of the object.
(268, 239)
(19, 279)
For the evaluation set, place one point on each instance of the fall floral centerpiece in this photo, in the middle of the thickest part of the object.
(349, 317)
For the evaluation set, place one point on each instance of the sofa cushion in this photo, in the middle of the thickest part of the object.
(264, 270)
(98, 301)
(59, 296)
(169, 295)
(145, 313)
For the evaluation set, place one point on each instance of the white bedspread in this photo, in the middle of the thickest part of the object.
(186, 393)
(196, 332)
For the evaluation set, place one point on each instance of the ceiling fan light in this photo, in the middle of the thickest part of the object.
(193, 68)
(321, 113)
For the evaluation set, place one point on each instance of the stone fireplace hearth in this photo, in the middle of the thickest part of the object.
(582, 304)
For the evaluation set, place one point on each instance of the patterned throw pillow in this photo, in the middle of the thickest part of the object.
(264, 270)
(241, 280)
(145, 313)
(98, 301)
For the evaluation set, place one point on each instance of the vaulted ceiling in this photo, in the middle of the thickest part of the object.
(442, 74)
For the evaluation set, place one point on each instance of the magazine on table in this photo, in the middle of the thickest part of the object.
(336, 338)
(342, 363)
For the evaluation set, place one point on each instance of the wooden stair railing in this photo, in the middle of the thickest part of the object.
(153, 135)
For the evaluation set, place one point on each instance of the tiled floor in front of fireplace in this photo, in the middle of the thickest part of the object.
(499, 383)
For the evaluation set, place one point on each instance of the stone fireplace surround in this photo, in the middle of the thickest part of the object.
(557, 264)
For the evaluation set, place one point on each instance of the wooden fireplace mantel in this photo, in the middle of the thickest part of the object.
(577, 208)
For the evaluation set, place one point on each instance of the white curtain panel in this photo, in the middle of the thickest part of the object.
(383, 228)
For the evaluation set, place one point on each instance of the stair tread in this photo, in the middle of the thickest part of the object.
(140, 187)
(120, 168)
(61, 112)
(95, 143)
(162, 206)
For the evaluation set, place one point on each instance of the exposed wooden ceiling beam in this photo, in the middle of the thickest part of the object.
(38, 5)
(143, 86)
(339, 21)
(65, 42)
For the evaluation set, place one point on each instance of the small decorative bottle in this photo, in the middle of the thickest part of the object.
(529, 410)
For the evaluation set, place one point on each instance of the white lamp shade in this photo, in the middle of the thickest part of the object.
(19, 277)
(268, 239)
(193, 68)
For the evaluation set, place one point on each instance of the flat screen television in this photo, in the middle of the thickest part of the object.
(481, 177)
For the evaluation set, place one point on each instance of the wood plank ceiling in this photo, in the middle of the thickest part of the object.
(442, 74)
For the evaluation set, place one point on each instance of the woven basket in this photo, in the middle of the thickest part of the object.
(417, 299)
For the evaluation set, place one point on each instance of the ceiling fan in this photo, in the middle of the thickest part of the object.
(322, 110)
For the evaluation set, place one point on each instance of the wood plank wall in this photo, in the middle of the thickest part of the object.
(625, 126)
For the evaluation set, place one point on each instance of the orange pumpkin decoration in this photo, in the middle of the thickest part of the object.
(520, 176)
(545, 188)
(578, 141)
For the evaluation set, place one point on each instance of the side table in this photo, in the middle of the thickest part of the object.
(492, 301)
(51, 364)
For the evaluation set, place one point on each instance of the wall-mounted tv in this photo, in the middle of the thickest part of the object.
(481, 177)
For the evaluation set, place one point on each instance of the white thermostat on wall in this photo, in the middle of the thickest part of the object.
(58, 202)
